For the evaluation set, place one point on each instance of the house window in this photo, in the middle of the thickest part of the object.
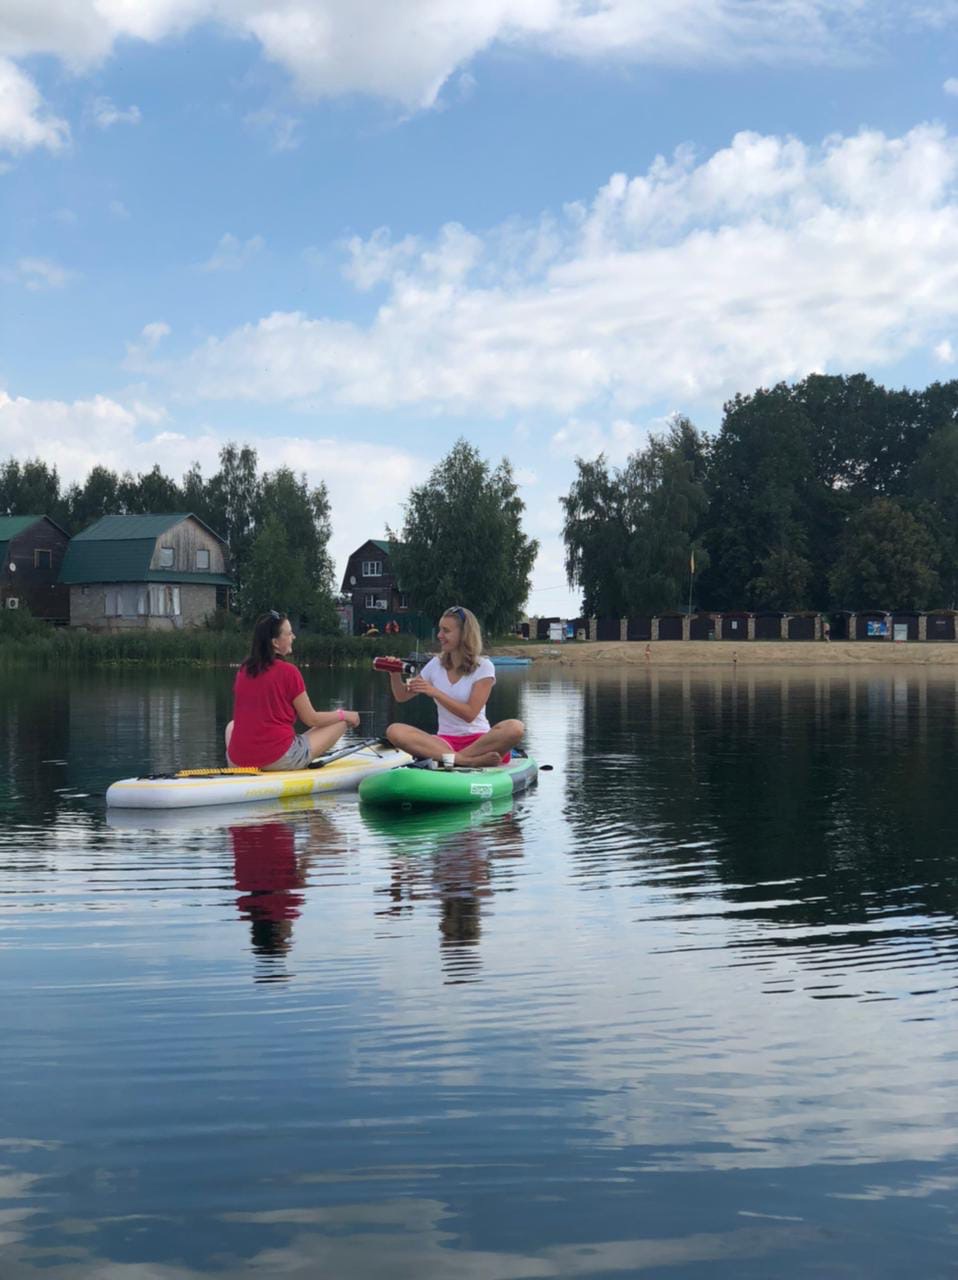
(403, 600)
(372, 568)
(42, 558)
(164, 600)
(202, 558)
(166, 557)
(125, 602)
(375, 602)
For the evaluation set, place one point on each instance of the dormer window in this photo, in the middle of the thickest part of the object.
(372, 568)
(166, 557)
(202, 558)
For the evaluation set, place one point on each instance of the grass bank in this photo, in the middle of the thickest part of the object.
(39, 647)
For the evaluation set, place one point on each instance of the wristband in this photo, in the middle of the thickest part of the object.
(341, 713)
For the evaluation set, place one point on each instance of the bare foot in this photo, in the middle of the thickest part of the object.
(484, 761)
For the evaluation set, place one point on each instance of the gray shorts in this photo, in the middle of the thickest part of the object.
(298, 756)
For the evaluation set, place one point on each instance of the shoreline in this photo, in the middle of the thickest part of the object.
(673, 654)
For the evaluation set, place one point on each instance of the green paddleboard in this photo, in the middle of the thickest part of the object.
(414, 787)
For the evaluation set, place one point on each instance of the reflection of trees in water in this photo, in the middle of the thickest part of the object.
(841, 782)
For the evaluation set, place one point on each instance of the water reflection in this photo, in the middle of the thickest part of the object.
(448, 857)
(686, 1008)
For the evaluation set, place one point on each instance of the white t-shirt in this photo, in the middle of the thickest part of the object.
(437, 674)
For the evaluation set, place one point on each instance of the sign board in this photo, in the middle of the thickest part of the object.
(556, 632)
(901, 632)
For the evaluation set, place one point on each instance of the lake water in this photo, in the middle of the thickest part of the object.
(686, 1009)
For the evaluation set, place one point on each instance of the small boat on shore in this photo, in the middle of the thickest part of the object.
(507, 661)
(420, 787)
(341, 770)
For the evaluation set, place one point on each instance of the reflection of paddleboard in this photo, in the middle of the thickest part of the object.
(194, 789)
(221, 816)
(413, 830)
(419, 788)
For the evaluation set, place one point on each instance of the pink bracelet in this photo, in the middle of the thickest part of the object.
(341, 713)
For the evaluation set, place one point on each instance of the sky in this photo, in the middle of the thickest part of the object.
(348, 232)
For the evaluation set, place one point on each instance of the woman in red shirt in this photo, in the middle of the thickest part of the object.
(268, 697)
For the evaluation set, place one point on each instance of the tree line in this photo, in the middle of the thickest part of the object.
(276, 526)
(832, 492)
(461, 540)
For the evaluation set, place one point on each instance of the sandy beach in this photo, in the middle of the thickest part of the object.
(727, 653)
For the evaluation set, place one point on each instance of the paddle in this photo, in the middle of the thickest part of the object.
(345, 751)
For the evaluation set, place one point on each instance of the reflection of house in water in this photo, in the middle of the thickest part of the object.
(153, 723)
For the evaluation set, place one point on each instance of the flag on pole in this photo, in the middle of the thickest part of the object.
(692, 561)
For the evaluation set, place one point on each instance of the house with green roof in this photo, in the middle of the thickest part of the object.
(32, 550)
(149, 572)
(371, 588)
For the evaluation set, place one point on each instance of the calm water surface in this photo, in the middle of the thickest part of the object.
(686, 1009)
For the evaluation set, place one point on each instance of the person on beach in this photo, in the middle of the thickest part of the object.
(459, 680)
(268, 697)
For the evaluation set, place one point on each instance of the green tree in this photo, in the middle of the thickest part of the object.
(232, 496)
(275, 576)
(151, 493)
(885, 561)
(462, 540)
(596, 535)
(934, 487)
(767, 504)
(98, 496)
(629, 534)
(304, 514)
(30, 488)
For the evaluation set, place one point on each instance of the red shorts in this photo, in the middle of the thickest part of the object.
(459, 742)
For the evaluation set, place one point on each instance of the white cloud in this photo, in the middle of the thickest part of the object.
(23, 123)
(232, 254)
(81, 434)
(588, 439)
(767, 260)
(105, 114)
(279, 128)
(951, 86)
(405, 52)
(945, 352)
(118, 209)
(38, 274)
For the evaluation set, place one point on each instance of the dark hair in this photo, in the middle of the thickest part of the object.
(265, 631)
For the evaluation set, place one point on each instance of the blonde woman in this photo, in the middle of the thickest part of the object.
(459, 680)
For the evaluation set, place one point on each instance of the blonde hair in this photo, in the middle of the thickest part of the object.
(469, 649)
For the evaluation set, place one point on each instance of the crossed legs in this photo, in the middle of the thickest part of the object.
(485, 751)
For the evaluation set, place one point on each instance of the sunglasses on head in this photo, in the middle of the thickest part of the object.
(459, 613)
(277, 617)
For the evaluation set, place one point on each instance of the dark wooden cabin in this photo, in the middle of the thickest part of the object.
(371, 585)
(32, 549)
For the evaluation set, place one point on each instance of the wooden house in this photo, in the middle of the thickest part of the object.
(32, 549)
(371, 586)
(149, 572)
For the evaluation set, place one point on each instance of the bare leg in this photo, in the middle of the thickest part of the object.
(492, 746)
(417, 742)
(323, 740)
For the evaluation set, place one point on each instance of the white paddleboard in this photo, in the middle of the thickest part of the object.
(191, 790)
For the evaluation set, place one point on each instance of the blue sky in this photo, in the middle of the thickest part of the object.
(348, 233)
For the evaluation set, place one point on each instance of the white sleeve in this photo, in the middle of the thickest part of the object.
(485, 670)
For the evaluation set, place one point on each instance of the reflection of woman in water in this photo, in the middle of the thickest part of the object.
(459, 681)
(268, 697)
(269, 880)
